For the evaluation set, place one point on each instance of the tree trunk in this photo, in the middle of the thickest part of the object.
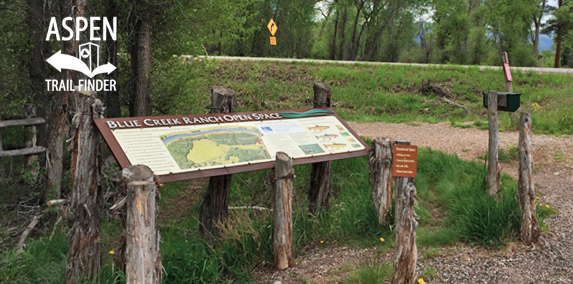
(321, 173)
(342, 32)
(86, 200)
(141, 64)
(282, 213)
(405, 250)
(530, 231)
(493, 170)
(36, 17)
(333, 46)
(112, 102)
(58, 123)
(380, 166)
(215, 206)
(143, 259)
(558, 43)
(352, 45)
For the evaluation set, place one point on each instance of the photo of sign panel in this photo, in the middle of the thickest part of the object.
(185, 147)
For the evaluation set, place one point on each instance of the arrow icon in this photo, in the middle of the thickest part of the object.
(63, 61)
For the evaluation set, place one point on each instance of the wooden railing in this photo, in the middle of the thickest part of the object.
(30, 120)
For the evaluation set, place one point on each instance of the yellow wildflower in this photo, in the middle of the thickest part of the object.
(111, 252)
(535, 106)
(322, 242)
(537, 197)
(547, 206)
(421, 281)
(540, 204)
(382, 239)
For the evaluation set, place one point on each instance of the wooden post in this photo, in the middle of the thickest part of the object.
(493, 170)
(282, 214)
(508, 84)
(509, 88)
(380, 166)
(321, 173)
(214, 208)
(30, 112)
(143, 258)
(526, 195)
(405, 250)
(2, 173)
(86, 199)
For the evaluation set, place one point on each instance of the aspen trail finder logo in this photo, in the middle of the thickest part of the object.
(88, 60)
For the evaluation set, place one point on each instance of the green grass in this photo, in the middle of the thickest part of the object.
(363, 92)
(372, 273)
(452, 205)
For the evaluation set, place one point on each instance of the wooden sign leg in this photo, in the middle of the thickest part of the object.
(320, 189)
(380, 167)
(215, 206)
(282, 214)
(406, 251)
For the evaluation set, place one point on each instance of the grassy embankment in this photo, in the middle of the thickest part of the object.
(366, 92)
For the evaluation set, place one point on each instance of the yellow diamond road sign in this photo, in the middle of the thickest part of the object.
(272, 27)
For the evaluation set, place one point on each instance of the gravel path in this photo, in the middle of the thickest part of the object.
(551, 262)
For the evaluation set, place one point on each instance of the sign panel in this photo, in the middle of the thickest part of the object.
(405, 161)
(192, 146)
(273, 40)
(507, 72)
(272, 27)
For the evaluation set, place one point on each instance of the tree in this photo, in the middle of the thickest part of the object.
(560, 24)
(537, 16)
(141, 58)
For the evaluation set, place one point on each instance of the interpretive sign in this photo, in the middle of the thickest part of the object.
(191, 146)
(405, 161)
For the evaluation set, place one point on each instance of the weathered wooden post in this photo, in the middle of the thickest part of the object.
(493, 179)
(2, 173)
(530, 231)
(380, 166)
(405, 250)
(508, 79)
(30, 112)
(86, 199)
(282, 214)
(321, 173)
(142, 254)
(214, 208)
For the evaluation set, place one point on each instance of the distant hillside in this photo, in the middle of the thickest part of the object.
(545, 42)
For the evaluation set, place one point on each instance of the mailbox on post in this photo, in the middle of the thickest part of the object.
(505, 101)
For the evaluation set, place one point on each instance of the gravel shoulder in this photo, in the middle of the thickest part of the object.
(551, 262)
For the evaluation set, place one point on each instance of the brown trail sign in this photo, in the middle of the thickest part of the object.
(405, 161)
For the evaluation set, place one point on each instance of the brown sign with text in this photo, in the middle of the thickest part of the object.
(405, 161)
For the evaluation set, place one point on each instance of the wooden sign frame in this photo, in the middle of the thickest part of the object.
(138, 122)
